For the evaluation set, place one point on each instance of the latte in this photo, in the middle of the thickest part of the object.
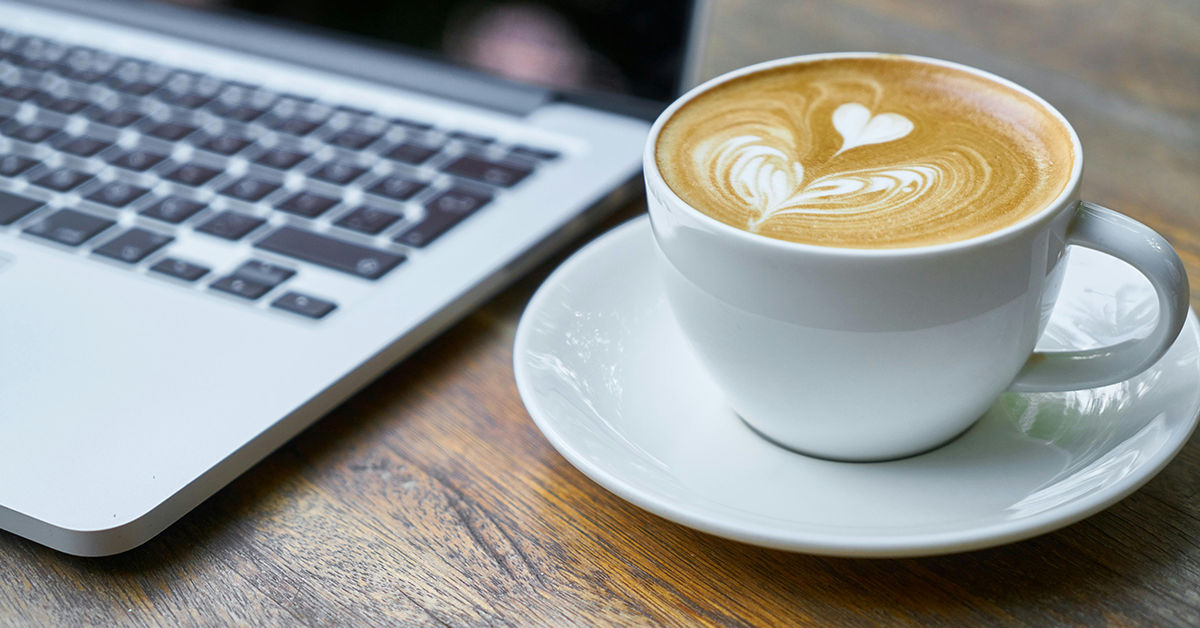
(877, 152)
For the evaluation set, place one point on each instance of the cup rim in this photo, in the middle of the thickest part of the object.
(654, 177)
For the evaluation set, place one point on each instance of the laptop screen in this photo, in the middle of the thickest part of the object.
(628, 47)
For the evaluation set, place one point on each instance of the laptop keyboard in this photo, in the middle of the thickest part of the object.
(170, 150)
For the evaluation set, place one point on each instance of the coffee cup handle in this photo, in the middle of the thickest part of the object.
(1126, 239)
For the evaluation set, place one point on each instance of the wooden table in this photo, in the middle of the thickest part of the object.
(431, 499)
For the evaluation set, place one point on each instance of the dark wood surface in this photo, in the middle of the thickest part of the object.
(430, 499)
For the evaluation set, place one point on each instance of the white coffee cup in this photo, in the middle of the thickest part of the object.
(874, 354)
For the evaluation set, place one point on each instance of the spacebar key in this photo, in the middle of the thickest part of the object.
(336, 254)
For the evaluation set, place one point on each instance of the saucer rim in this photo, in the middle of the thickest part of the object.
(780, 537)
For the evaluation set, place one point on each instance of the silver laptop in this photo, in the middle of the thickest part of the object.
(217, 223)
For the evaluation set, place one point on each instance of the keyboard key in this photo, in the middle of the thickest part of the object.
(441, 214)
(307, 204)
(117, 194)
(67, 226)
(193, 174)
(133, 246)
(119, 118)
(231, 225)
(239, 113)
(187, 100)
(481, 140)
(14, 207)
(32, 133)
(526, 151)
(353, 140)
(64, 105)
(63, 179)
(19, 93)
(397, 187)
(296, 126)
(411, 153)
(180, 269)
(304, 305)
(263, 273)
(84, 146)
(136, 77)
(367, 220)
(224, 144)
(354, 110)
(170, 131)
(336, 254)
(137, 160)
(281, 159)
(505, 175)
(338, 173)
(173, 209)
(412, 124)
(240, 287)
(249, 189)
(13, 165)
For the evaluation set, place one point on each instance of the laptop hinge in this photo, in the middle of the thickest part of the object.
(382, 63)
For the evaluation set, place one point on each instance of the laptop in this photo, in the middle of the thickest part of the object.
(221, 218)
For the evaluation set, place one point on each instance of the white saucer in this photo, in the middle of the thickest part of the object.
(612, 383)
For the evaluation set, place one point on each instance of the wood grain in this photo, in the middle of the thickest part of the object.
(430, 499)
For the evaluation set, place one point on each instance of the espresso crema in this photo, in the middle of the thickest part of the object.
(879, 152)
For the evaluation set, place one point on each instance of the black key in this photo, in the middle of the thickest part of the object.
(117, 194)
(67, 226)
(179, 269)
(505, 175)
(14, 207)
(135, 88)
(13, 165)
(224, 144)
(263, 273)
(411, 153)
(170, 131)
(133, 246)
(231, 225)
(353, 140)
(63, 179)
(459, 201)
(193, 174)
(367, 220)
(441, 214)
(32, 133)
(412, 124)
(84, 146)
(304, 305)
(120, 118)
(64, 105)
(173, 209)
(19, 93)
(281, 159)
(296, 126)
(318, 249)
(239, 113)
(249, 189)
(307, 204)
(523, 150)
(240, 287)
(482, 140)
(398, 188)
(137, 160)
(338, 173)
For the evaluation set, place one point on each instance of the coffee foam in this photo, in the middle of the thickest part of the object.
(879, 152)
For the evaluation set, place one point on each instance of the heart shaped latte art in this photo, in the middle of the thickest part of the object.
(859, 128)
(766, 179)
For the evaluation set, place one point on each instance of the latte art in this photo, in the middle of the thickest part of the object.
(880, 152)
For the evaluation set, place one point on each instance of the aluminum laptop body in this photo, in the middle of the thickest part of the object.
(131, 389)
